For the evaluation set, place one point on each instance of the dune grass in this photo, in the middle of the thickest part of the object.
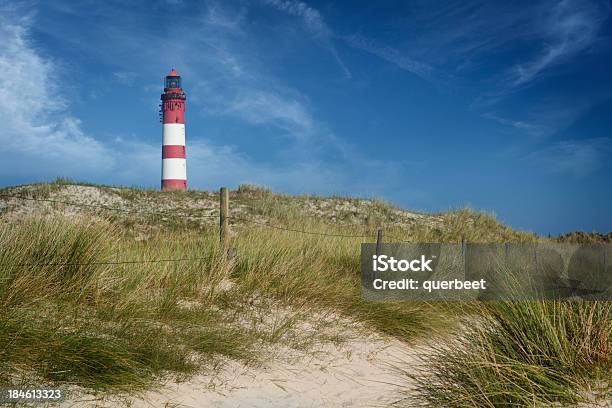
(72, 313)
(523, 354)
(68, 316)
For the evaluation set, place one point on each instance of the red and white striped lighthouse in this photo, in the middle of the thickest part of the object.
(174, 163)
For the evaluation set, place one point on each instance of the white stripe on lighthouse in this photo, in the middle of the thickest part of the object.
(174, 169)
(174, 134)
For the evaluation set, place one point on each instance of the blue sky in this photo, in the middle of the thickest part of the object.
(504, 107)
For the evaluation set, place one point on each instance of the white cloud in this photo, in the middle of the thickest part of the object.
(575, 158)
(392, 55)
(571, 27)
(125, 77)
(276, 106)
(41, 139)
(311, 17)
(466, 36)
(314, 23)
(496, 50)
(258, 106)
(34, 121)
(548, 115)
(211, 167)
(533, 129)
(216, 16)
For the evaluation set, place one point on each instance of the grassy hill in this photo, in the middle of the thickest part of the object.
(145, 211)
(90, 299)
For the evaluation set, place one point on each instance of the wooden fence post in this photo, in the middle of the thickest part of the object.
(379, 241)
(224, 218)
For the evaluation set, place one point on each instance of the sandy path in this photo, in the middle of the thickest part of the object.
(357, 373)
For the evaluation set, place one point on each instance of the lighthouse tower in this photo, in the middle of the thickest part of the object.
(174, 165)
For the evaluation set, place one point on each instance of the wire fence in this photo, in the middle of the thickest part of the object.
(263, 224)
(110, 262)
(168, 212)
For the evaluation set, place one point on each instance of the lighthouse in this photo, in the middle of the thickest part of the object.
(174, 163)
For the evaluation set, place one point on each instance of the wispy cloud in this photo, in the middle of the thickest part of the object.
(40, 138)
(35, 124)
(495, 51)
(240, 88)
(125, 77)
(226, 77)
(311, 17)
(314, 23)
(264, 107)
(469, 36)
(216, 16)
(533, 129)
(36, 144)
(541, 39)
(570, 28)
(546, 116)
(392, 55)
(280, 109)
(575, 158)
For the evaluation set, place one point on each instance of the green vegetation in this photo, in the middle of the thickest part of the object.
(74, 310)
(67, 316)
(524, 353)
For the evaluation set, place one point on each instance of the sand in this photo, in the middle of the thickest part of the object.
(357, 373)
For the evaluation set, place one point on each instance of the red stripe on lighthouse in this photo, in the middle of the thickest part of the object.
(174, 116)
(174, 185)
(173, 152)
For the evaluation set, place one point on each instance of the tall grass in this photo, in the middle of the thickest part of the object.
(72, 312)
(65, 316)
(523, 354)
(323, 271)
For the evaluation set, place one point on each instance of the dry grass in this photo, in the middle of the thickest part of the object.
(65, 317)
(147, 211)
(523, 354)
(119, 327)
(72, 313)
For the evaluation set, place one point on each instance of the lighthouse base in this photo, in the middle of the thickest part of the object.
(176, 185)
